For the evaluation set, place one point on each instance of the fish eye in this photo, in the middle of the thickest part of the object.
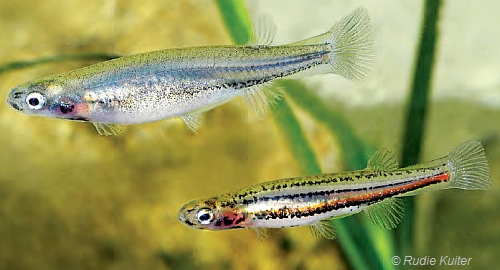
(205, 216)
(35, 101)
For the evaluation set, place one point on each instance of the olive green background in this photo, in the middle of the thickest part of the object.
(71, 199)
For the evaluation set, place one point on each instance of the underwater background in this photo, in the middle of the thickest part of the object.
(71, 199)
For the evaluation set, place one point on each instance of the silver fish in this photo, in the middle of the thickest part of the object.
(184, 82)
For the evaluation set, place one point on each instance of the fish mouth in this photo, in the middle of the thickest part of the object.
(14, 105)
(181, 218)
(185, 221)
(15, 95)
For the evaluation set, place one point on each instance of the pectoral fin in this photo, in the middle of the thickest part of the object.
(261, 233)
(193, 120)
(108, 129)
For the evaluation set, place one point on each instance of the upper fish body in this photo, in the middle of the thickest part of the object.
(312, 200)
(184, 82)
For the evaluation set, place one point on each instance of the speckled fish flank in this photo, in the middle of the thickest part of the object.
(311, 200)
(185, 82)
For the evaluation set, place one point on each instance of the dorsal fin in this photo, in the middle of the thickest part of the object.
(265, 30)
(386, 214)
(383, 160)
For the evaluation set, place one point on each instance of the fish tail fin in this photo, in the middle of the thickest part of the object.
(351, 44)
(468, 167)
(352, 47)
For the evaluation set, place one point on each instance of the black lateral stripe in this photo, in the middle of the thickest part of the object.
(300, 58)
(327, 208)
(322, 193)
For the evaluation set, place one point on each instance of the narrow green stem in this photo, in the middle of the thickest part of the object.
(57, 58)
(237, 20)
(297, 143)
(417, 111)
(364, 245)
(300, 148)
(354, 234)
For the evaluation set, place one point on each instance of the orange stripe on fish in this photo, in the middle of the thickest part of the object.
(311, 200)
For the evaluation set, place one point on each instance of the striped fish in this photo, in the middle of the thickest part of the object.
(315, 200)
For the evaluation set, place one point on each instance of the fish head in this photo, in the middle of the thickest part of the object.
(210, 215)
(48, 99)
(199, 214)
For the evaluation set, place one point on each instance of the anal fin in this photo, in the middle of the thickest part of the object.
(108, 129)
(386, 214)
(262, 97)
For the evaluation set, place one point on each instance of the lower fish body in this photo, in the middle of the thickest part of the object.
(314, 200)
(187, 81)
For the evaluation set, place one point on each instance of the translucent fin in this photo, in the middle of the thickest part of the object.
(386, 214)
(192, 120)
(352, 44)
(323, 228)
(265, 30)
(383, 160)
(108, 129)
(261, 233)
(352, 47)
(469, 167)
(261, 98)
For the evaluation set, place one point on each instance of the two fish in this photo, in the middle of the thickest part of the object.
(188, 81)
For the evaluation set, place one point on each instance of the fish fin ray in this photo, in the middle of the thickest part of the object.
(323, 228)
(265, 30)
(468, 167)
(193, 120)
(262, 98)
(108, 129)
(352, 52)
(262, 233)
(383, 160)
(386, 214)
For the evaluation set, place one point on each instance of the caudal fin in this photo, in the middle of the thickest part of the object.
(468, 167)
(351, 46)
(351, 40)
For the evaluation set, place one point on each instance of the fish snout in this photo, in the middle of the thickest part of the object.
(181, 217)
(14, 99)
(14, 105)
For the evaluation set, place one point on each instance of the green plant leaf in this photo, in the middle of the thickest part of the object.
(353, 232)
(417, 112)
(57, 58)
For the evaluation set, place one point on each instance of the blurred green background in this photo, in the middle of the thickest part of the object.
(71, 199)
